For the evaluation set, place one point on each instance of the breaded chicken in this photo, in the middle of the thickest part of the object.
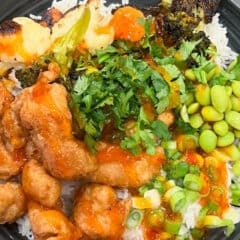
(40, 186)
(11, 157)
(118, 167)
(43, 111)
(50, 224)
(12, 202)
(98, 212)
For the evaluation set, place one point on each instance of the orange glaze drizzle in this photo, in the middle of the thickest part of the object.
(114, 153)
(214, 176)
(12, 45)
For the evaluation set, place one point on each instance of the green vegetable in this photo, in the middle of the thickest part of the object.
(177, 201)
(235, 104)
(193, 108)
(196, 120)
(219, 98)
(234, 69)
(221, 128)
(113, 91)
(235, 193)
(208, 140)
(236, 87)
(233, 119)
(192, 182)
(65, 45)
(177, 169)
(186, 49)
(203, 94)
(28, 76)
(134, 219)
(225, 140)
(236, 168)
(172, 226)
(210, 114)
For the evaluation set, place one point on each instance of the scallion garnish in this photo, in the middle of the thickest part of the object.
(192, 182)
(134, 219)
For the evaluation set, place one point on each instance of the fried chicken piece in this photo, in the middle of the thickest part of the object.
(118, 167)
(40, 186)
(11, 158)
(12, 202)
(11, 162)
(43, 111)
(50, 224)
(98, 212)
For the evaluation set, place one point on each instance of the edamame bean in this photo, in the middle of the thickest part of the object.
(210, 114)
(206, 126)
(193, 108)
(233, 119)
(196, 120)
(203, 94)
(208, 140)
(219, 98)
(226, 140)
(236, 88)
(229, 90)
(232, 151)
(235, 103)
(221, 128)
(236, 169)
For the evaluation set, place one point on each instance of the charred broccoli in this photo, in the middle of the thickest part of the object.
(28, 76)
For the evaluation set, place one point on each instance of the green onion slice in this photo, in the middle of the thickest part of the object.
(192, 182)
(172, 226)
(134, 219)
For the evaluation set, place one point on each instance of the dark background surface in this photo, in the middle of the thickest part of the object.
(230, 17)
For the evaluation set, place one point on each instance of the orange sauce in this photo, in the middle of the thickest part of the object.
(215, 178)
(12, 45)
(114, 153)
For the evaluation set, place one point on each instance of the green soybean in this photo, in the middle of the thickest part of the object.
(208, 140)
(229, 90)
(221, 128)
(236, 88)
(193, 108)
(226, 140)
(196, 120)
(219, 98)
(236, 169)
(233, 119)
(235, 103)
(203, 94)
(210, 114)
(206, 126)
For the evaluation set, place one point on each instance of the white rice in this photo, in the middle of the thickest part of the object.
(190, 215)
(218, 35)
(136, 234)
(24, 227)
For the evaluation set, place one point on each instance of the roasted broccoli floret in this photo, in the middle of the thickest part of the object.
(28, 76)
